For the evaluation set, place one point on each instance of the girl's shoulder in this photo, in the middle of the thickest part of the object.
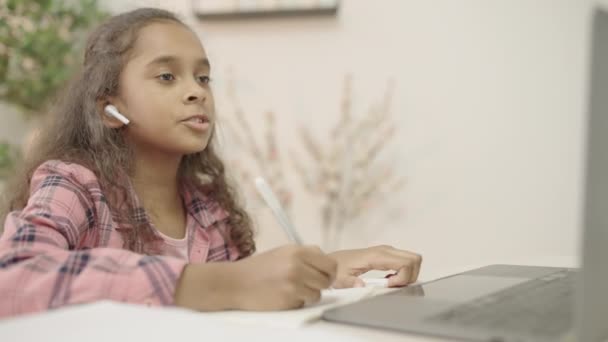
(53, 171)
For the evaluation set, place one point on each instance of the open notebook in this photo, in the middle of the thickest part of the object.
(294, 318)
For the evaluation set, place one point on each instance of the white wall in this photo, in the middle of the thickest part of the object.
(490, 99)
(490, 96)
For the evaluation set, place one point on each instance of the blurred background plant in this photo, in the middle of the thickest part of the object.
(8, 154)
(255, 155)
(345, 173)
(40, 45)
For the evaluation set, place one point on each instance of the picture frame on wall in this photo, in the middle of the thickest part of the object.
(248, 9)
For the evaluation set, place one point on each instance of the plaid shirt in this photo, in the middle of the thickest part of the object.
(64, 247)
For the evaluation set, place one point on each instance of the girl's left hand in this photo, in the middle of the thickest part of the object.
(354, 262)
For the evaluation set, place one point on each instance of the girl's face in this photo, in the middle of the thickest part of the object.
(164, 91)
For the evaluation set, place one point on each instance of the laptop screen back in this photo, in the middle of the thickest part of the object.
(593, 299)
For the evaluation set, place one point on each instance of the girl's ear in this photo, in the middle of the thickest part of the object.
(108, 120)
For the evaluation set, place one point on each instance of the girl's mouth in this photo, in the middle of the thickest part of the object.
(198, 122)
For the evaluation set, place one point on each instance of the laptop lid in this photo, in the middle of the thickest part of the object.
(592, 305)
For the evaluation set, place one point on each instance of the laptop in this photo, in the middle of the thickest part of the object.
(520, 303)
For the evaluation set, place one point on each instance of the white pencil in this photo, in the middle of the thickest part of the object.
(273, 202)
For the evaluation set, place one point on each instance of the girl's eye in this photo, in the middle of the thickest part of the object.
(166, 77)
(204, 79)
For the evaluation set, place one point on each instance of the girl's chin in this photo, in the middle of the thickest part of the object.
(195, 149)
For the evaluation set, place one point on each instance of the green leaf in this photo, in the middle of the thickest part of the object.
(32, 88)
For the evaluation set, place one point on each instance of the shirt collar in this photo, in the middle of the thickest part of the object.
(198, 202)
(201, 206)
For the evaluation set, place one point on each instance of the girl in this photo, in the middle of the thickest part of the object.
(141, 212)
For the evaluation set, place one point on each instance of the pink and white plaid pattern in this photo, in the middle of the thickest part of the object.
(64, 248)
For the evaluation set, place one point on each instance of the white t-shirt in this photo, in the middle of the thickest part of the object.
(176, 247)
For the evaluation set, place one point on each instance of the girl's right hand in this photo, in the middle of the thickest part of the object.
(284, 278)
(287, 277)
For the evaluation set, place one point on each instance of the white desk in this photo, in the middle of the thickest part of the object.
(108, 321)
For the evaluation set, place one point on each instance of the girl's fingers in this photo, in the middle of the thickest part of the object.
(308, 295)
(415, 259)
(403, 277)
(388, 258)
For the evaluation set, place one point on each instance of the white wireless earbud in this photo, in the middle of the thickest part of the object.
(110, 110)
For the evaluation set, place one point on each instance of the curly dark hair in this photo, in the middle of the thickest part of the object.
(77, 134)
